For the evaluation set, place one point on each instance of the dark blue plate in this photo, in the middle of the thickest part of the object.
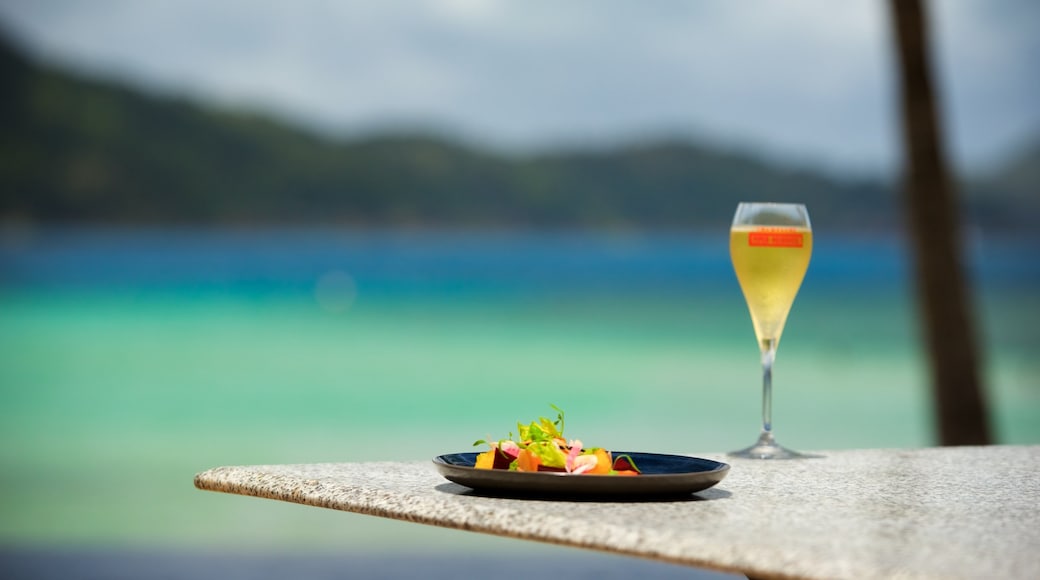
(661, 475)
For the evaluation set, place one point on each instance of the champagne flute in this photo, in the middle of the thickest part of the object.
(770, 245)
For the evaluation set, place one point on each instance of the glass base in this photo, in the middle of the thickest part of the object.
(767, 448)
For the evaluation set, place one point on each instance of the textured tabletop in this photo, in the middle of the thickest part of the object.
(961, 512)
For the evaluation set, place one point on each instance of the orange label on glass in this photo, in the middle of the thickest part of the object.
(776, 239)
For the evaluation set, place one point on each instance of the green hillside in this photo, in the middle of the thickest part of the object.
(77, 150)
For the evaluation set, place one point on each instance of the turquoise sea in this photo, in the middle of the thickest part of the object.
(130, 359)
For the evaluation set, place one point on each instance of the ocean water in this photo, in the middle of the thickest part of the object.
(132, 359)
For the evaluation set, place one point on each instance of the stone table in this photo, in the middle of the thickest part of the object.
(954, 512)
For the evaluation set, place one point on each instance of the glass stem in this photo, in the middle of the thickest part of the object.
(768, 356)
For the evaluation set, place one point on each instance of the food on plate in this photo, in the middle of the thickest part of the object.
(540, 446)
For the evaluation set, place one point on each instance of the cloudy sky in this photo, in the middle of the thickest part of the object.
(808, 81)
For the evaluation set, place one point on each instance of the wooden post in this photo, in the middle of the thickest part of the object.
(933, 221)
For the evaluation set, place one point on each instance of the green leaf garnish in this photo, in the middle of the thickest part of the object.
(544, 439)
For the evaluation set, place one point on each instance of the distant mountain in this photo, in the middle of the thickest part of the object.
(76, 151)
(1009, 196)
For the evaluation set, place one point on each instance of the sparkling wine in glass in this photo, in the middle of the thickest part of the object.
(770, 245)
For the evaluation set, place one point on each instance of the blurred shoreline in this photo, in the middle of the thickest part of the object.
(110, 563)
